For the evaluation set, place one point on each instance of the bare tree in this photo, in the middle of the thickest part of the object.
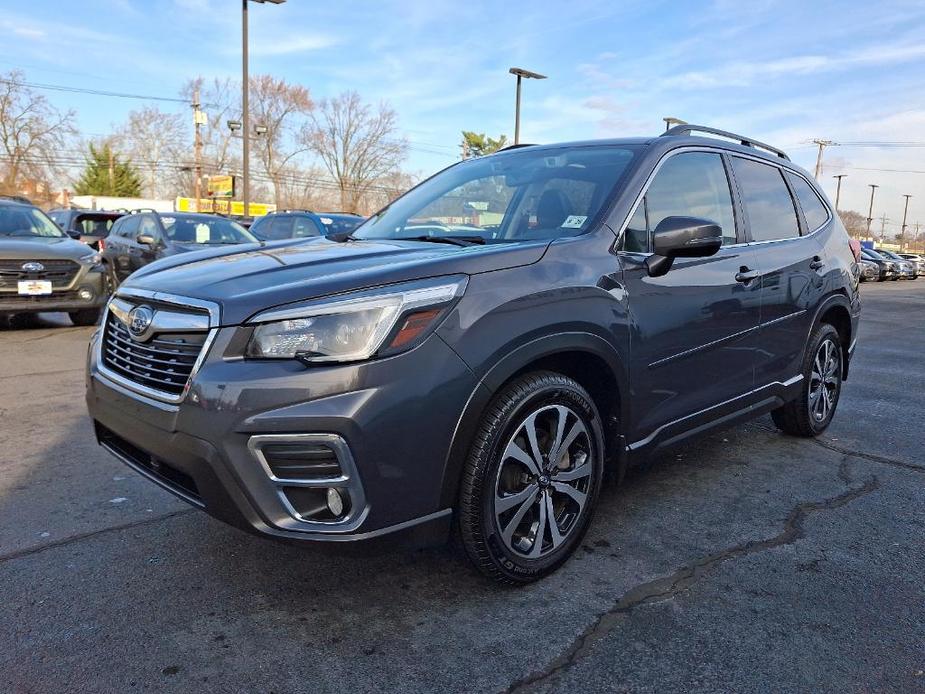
(221, 152)
(32, 135)
(357, 145)
(855, 223)
(155, 142)
(278, 106)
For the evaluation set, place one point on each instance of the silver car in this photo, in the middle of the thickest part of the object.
(917, 259)
(907, 269)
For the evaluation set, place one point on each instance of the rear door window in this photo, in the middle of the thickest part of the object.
(305, 226)
(691, 184)
(766, 198)
(814, 210)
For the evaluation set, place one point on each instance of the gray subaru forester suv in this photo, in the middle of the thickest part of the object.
(475, 355)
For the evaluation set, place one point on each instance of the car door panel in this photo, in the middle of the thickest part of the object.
(693, 329)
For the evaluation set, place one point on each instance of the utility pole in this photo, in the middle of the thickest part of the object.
(883, 220)
(245, 117)
(870, 212)
(916, 237)
(198, 119)
(822, 145)
(839, 177)
(902, 233)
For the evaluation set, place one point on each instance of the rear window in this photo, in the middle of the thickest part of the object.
(94, 225)
(814, 210)
(767, 201)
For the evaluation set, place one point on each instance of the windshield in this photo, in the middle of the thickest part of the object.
(339, 223)
(27, 221)
(204, 230)
(520, 195)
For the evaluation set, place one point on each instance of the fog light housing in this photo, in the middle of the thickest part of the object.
(85, 294)
(335, 502)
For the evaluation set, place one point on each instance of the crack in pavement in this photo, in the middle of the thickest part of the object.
(667, 587)
(872, 457)
(93, 533)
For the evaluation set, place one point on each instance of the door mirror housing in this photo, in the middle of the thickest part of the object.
(682, 237)
(73, 234)
(146, 239)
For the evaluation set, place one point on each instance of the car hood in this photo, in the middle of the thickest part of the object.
(246, 279)
(40, 248)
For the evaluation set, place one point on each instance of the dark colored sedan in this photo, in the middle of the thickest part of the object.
(299, 224)
(888, 267)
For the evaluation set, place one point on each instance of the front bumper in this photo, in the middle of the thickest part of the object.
(393, 417)
(63, 299)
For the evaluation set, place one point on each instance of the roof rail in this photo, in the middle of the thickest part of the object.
(687, 129)
(522, 144)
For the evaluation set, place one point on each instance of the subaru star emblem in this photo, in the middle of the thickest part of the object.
(32, 267)
(139, 320)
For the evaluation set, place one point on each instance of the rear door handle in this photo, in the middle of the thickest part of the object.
(744, 275)
(816, 263)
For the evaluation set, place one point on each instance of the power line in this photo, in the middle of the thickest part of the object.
(94, 92)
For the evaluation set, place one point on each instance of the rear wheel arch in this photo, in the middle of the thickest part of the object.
(588, 359)
(835, 311)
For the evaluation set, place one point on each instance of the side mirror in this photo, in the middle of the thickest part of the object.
(682, 237)
(146, 239)
(73, 234)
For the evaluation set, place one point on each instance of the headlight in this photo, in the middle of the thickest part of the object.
(92, 259)
(355, 326)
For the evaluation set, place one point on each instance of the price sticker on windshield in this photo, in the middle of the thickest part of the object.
(574, 221)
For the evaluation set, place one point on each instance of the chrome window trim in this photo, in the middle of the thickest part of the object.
(349, 481)
(181, 301)
(721, 151)
(825, 204)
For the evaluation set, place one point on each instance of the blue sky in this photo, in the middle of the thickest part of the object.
(784, 72)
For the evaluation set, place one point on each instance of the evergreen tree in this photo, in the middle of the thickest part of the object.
(478, 144)
(105, 174)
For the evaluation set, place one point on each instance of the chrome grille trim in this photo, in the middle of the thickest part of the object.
(147, 359)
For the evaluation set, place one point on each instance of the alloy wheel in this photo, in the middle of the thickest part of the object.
(543, 481)
(824, 380)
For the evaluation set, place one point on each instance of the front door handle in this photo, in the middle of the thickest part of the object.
(816, 263)
(745, 275)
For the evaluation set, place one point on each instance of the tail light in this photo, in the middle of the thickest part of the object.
(855, 246)
(101, 245)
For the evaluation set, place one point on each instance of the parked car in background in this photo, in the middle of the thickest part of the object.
(869, 270)
(139, 239)
(889, 269)
(89, 226)
(43, 269)
(907, 269)
(917, 259)
(299, 224)
(620, 297)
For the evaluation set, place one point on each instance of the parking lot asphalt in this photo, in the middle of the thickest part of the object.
(744, 561)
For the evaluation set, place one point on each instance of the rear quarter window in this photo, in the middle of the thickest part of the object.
(814, 210)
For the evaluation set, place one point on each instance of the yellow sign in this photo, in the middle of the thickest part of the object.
(234, 208)
(221, 186)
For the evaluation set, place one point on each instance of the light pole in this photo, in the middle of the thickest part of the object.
(902, 233)
(521, 73)
(245, 131)
(839, 177)
(870, 212)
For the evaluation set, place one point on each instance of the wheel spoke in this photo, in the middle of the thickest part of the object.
(520, 455)
(554, 534)
(569, 490)
(540, 529)
(577, 430)
(560, 430)
(518, 516)
(509, 501)
(574, 474)
(530, 427)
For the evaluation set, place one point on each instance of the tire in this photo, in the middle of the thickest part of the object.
(84, 317)
(506, 497)
(112, 279)
(811, 413)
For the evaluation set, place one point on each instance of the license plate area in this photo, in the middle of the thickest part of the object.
(34, 287)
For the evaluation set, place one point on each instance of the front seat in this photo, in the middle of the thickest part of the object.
(552, 210)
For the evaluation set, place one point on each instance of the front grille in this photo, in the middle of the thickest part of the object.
(301, 460)
(59, 271)
(164, 363)
(175, 480)
(26, 300)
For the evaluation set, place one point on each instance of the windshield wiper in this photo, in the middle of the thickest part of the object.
(455, 240)
(340, 236)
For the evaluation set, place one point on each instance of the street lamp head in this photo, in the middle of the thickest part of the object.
(260, 130)
(520, 72)
(670, 121)
(234, 125)
(275, 2)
